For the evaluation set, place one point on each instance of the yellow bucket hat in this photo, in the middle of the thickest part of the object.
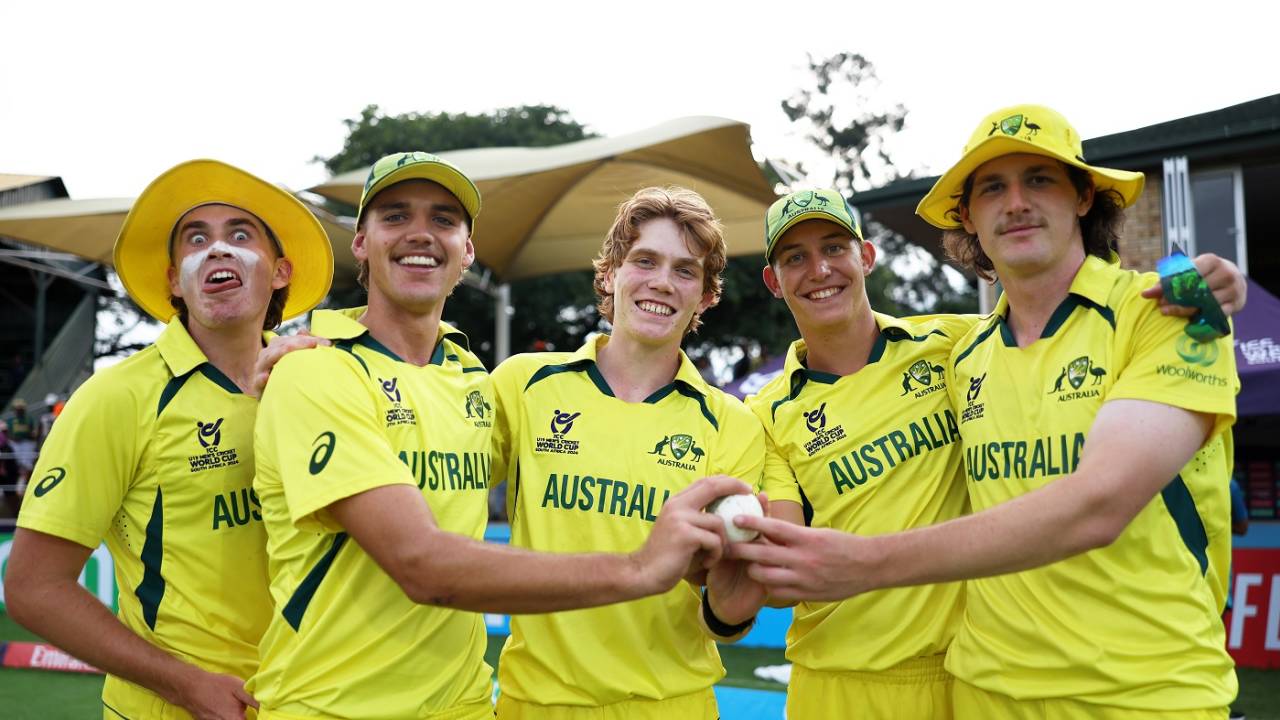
(1033, 129)
(142, 248)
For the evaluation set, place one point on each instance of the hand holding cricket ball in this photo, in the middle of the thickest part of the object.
(731, 506)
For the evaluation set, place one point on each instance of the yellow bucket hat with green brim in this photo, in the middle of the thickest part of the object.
(1033, 129)
(401, 166)
(142, 248)
(791, 210)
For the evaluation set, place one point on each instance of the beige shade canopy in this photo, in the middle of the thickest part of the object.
(546, 210)
(9, 181)
(88, 229)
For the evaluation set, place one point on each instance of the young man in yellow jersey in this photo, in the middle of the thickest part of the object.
(862, 439)
(155, 454)
(1095, 433)
(592, 443)
(373, 470)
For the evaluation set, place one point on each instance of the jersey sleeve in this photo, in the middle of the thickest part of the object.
(508, 386)
(321, 424)
(740, 448)
(779, 479)
(88, 462)
(1161, 363)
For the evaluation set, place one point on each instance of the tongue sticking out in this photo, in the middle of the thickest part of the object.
(220, 281)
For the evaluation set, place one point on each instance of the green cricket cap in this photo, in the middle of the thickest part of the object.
(401, 166)
(797, 207)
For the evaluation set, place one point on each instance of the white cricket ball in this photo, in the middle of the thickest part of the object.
(731, 506)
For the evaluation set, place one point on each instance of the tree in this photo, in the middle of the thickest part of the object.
(556, 311)
(842, 112)
(375, 133)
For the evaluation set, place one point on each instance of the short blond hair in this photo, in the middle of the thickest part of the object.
(699, 226)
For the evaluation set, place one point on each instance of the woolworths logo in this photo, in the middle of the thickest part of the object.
(98, 575)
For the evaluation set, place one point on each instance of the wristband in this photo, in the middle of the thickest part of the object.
(718, 626)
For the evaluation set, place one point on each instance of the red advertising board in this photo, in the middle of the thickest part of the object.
(1253, 624)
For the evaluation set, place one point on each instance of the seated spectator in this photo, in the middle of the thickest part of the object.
(22, 435)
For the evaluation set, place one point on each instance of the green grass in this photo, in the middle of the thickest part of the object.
(44, 695)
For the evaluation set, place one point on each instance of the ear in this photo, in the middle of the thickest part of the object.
(358, 247)
(965, 221)
(868, 256)
(1085, 203)
(283, 274)
(771, 281)
(468, 254)
(705, 302)
(175, 288)
(608, 281)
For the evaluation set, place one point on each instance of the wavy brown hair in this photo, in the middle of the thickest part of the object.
(1100, 227)
(702, 232)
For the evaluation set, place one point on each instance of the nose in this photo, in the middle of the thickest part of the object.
(821, 266)
(419, 230)
(660, 279)
(1017, 198)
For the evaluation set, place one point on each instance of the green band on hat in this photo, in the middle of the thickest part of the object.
(789, 211)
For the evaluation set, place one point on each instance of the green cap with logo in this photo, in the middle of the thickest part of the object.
(797, 207)
(401, 166)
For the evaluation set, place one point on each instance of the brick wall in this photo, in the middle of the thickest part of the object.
(1141, 240)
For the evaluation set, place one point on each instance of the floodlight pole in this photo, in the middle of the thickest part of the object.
(502, 312)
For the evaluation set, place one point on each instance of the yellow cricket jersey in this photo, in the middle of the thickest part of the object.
(345, 641)
(874, 452)
(155, 455)
(589, 473)
(1136, 624)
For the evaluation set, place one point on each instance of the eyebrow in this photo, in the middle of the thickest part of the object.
(202, 225)
(435, 207)
(833, 235)
(997, 176)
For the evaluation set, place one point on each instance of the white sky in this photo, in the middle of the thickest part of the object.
(110, 94)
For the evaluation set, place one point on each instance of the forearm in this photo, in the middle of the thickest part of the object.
(64, 613)
(1055, 522)
(514, 580)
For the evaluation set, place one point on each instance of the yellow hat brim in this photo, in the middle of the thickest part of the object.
(142, 249)
(945, 194)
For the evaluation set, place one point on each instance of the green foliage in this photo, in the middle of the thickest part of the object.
(857, 142)
(907, 280)
(375, 133)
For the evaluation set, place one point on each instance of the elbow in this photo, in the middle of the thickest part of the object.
(1100, 525)
(20, 601)
(424, 579)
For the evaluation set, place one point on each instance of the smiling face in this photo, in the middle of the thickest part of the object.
(659, 286)
(820, 269)
(225, 266)
(1026, 213)
(415, 238)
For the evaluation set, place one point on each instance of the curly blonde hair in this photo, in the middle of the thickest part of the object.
(701, 229)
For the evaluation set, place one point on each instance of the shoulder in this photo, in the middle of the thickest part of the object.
(776, 390)
(730, 411)
(527, 368)
(949, 327)
(320, 370)
(137, 380)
